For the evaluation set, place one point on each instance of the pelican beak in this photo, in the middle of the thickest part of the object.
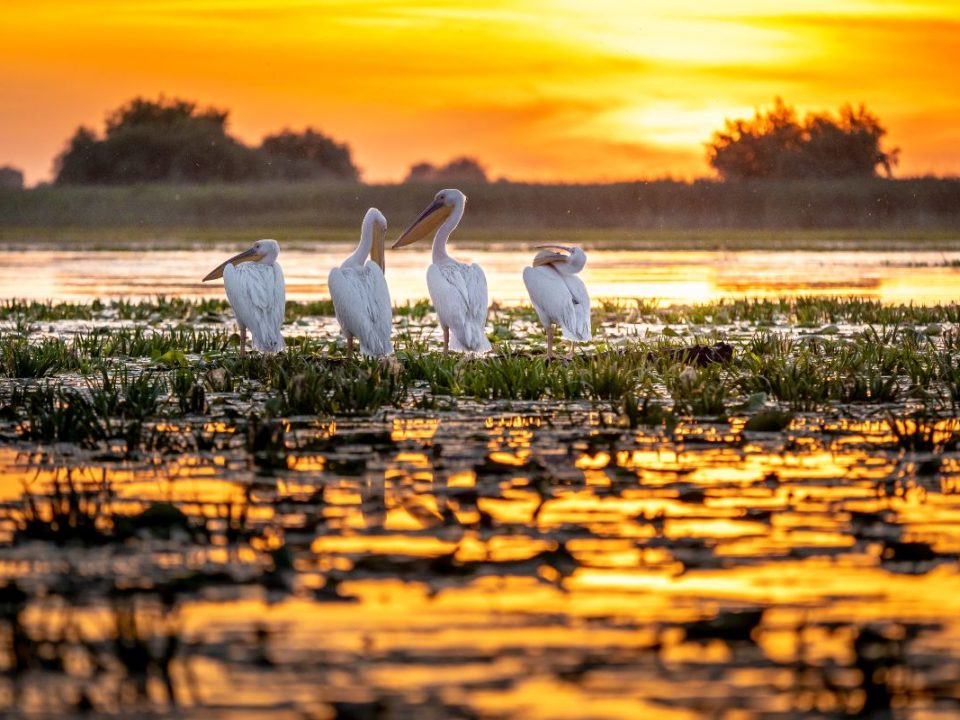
(250, 255)
(377, 251)
(428, 221)
(549, 254)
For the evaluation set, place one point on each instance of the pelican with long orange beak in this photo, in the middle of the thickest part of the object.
(254, 284)
(361, 299)
(558, 295)
(458, 290)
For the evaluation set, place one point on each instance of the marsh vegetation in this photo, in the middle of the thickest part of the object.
(740, 507)
(307, 208)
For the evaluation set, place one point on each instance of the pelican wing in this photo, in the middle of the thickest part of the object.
(476, 283)
(559, 299)
(361, 301)
(258, 297)
(459, 295)
(579, 328)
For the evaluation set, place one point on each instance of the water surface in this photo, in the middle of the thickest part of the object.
(471, 559)
(668, 277)
(534, 561)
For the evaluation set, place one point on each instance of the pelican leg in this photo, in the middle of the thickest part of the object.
(446, 340)
(349, 345)
(573, 346)
(243, 341)
(550, 341)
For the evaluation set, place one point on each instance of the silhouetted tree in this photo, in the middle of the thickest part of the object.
(309, 154)
(775, 144)
(82, 161)
(10, 177)
(459, 170)
(849, 146)
(148, 140)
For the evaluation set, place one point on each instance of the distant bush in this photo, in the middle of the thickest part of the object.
(460, 170)
(776, 145)
(10, 177)
(152, 141)
(175, 141)
(306, 155)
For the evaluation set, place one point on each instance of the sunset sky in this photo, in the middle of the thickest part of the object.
(537, 90)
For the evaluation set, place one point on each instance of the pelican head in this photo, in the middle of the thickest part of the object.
(565, 259)
(432, 217)
(375, 223)
(263, 251)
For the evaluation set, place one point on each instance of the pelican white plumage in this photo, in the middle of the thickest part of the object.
(558, 295)
(254, 284)
(458, 290)
(359, 291)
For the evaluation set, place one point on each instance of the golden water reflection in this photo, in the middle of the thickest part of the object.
(670, 277)
(532, 564)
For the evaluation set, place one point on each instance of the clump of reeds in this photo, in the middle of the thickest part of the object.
(139, 341)
(24, 358)
(314, 388)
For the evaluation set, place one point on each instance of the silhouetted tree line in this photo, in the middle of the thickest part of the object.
(175, 141)
(776, 144)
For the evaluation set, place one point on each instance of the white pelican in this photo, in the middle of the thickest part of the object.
(254, 284)
(458, 290)
(558, 295)
(359, 291)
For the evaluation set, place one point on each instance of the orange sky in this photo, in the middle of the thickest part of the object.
(538, 90)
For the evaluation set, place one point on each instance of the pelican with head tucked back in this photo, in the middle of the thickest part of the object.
(359, 291)
(458, 290)
(254, 284)
(558, 295)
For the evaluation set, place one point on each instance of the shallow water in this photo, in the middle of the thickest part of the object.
(667, 277)
(535, 562)
(482, 559)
